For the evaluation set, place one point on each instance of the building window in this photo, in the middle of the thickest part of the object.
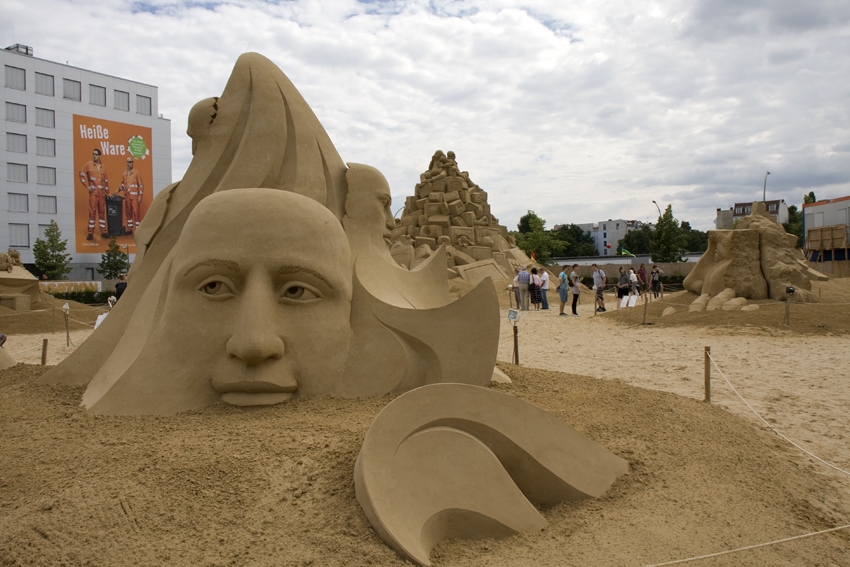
(604, 251)
(46, 175)
(748, 210)
(16, 143)
(46, 204)
(16, 112)
(44, 84)
(618, 226)
(604, 227)
(45, 117)
(19, 235)
(772, 207)
(143, 105)
(72, 90)
(42, 229)
(16, 172)
(45, 147)
(97, 95)
(122, 100)
(90, 274)
(604, 235)
(16, 78)
(19, 203)
(737, 210)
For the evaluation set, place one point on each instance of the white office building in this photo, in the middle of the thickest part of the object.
(607, 234)
(56, 115)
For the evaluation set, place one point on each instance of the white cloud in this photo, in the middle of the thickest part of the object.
(581, 110)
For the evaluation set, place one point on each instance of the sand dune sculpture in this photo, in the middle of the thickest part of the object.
(266, 274)
(756, 260)
(452, 460)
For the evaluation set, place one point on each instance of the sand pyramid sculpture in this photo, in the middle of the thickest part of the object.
(756, 260)
(449, 209)
(265, 274)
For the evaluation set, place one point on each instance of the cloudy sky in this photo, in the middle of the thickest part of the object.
(581, 110)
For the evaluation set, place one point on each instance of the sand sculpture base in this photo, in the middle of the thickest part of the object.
(453, 460)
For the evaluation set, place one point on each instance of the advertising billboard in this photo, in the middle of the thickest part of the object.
(112, 182)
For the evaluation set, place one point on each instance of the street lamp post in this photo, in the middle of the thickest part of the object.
(764, 189)
(657, 207)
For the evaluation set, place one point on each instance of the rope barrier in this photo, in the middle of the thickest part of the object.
(768, 424)
(81, 322)
(48, 310)
(24, 313)
(719, 553)
(25, 350)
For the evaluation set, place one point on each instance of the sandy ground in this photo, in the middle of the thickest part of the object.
(226, 486)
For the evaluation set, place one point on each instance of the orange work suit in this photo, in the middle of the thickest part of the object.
(131, 184)
(93, 177)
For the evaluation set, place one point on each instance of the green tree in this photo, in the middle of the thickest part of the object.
(794, 225)
(50, 256)
(113, 262)
(668, 245)
(695, 240)
(530, 222)
(637, 241)
(536, 239)
(810, 198)
(577, 242)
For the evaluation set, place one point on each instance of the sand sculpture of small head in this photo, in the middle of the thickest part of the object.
(265, 276)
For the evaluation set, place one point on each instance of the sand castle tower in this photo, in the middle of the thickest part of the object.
(448, 208)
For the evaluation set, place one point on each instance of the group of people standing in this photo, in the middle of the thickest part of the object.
(531, 288)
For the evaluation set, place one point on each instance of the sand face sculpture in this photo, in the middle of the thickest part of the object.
(756, 260)
(266, 313)
(266, 274)
(261, 133)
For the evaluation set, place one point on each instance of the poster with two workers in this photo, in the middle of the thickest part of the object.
(112, 182)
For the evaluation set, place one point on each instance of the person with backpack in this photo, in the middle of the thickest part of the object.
(563, 288)
(575, 287)
(655, 280)
(534, 289)
(599, 281)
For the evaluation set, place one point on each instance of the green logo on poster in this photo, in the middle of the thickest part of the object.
(137, 147)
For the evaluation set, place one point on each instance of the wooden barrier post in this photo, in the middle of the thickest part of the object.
(67, 331)
(44, 352)
(787, 309)
(53, 328)
(708, 374)
(645, 303)
(516, 345)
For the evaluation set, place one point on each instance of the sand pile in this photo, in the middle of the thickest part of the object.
(273, 486)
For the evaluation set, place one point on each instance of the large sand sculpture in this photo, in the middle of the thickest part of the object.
(756, 260)
(266, 274)
(262, 134)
